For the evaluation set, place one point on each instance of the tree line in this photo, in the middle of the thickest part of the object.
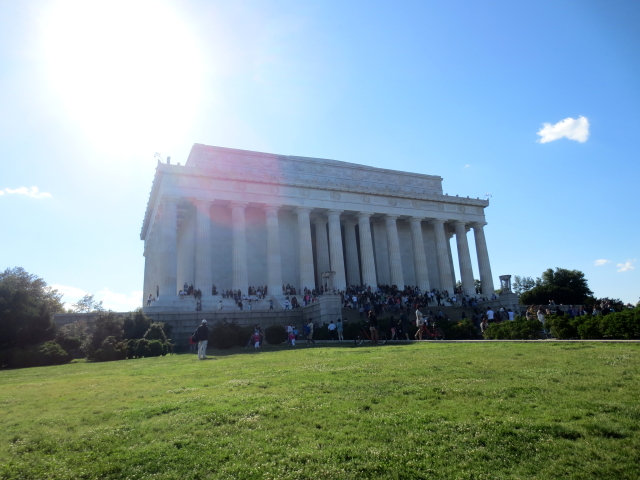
(29, 336)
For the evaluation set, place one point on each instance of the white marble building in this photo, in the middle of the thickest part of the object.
(237, 218)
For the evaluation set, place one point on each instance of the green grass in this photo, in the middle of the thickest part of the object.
(441, 411)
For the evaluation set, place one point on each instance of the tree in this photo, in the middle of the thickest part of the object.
(106, 324)
(27, 305)
(521, 285)
(562, 286)
(136, 324)
(572, 279)
(87, 305)
(156, 332)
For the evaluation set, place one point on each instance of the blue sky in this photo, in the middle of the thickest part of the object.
(89, 91)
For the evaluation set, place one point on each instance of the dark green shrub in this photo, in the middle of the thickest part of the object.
(321, 333)
(106, 324)
(463, 330)
(624, 324)
(351, 329)
(156, 332)
(590, 328)
(23, 358)
(142, 349)
(44, 354)
(563, 327)
(226, 335)
(110, 350)
(50, 353)
(518, 329)
(275, 334)
(132, 347)
(70, 344)
(155, 348)
(68, 336)
(135, 324)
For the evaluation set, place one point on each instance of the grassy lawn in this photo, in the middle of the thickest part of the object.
(441, 411)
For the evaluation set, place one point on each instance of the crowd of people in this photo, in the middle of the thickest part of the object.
(390, 299)
(601, 306)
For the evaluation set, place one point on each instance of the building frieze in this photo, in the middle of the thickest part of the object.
(216, 168)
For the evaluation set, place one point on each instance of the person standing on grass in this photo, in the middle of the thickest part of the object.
(340, 329)
(309, 329)
(404, 322)
(202, 335)
(332, 330)
(419, 324)
(256, 340)
(373, 327)
(392, 327)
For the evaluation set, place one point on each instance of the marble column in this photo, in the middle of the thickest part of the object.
(442, 256)
(168, 249)
(419, 257)
(204, 259)
(322, 248)
(146, 286)
(367, 259)
(464, 259)
(449, 235)
(486, 279)
(240, 279)
(274, 257)
(154, 271)
(351, 250)
(306, 251)
(395, 260)
(335, 250)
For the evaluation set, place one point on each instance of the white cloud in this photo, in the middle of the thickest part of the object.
(118, 302)
(466, 166)
(627, 266)
(573, 129)
(73, 292)
(32, 192)
(601, 262)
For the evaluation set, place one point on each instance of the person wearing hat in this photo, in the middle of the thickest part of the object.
(202, 335)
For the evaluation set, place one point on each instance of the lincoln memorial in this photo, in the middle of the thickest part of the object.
(238, 219)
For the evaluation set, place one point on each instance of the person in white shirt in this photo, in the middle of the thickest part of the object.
(332, 330)
(511, 314)
(489, 314)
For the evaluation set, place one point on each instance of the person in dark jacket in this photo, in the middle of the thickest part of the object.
(373, 327)
(202, 335)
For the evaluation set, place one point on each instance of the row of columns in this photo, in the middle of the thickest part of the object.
(329, 250)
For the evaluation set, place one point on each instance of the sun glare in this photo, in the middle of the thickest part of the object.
(128, 71)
